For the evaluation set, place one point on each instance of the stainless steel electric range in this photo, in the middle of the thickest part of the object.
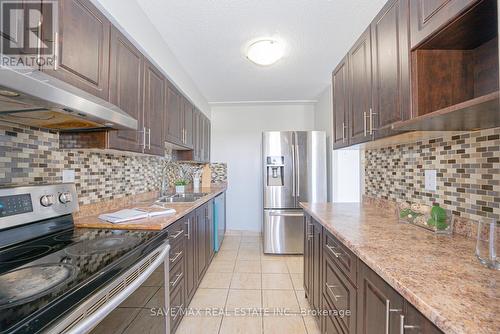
(60, 279)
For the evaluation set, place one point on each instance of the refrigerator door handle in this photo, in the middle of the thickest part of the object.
(286, 214)
(297, 169)
(294, 186)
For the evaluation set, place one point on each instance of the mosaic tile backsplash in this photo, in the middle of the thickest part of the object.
(468, 173)
(32, 156)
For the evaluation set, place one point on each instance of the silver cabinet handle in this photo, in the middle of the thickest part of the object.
(344, 127)
(388, 311)
(402, 325)
(332, 249)
(56, 51)
(177, 255)
(364, 123)
(371, 121)
(149, 138)
(175, 236)
(144, 137)
(279, 214)
(177, 279)
(188, 225)
(330, 288)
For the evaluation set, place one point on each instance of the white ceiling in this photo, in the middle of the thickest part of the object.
(209, 36)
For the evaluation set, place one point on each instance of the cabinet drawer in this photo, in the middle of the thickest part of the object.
(176, 254)
(339, 295)
(330, 325)
(176, 306)
(175, 232)
(343, 257)
(176, 276)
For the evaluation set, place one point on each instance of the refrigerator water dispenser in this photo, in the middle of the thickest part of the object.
(275, 171)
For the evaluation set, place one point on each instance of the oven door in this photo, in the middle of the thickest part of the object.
(98, 306)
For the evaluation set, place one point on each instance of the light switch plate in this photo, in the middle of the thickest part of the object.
(430, 179)
(68, 175)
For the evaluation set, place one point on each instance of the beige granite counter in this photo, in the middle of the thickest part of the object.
(156, 223)
(439, 275)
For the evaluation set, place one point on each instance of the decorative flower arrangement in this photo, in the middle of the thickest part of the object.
(433, 218)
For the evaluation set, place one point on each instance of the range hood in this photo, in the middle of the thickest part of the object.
(34, 98)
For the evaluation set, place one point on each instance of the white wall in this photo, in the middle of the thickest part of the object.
(323, 122)
(236, 139)
(134, 23)
(343, 165)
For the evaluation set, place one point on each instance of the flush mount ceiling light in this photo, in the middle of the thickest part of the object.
(265, 52)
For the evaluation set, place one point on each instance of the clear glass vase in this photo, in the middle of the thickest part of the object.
(488, 243)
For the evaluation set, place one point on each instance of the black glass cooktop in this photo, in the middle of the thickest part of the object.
(43, 278)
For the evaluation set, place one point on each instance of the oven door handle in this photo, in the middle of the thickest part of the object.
(88, 323)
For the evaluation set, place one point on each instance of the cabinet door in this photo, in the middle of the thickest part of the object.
(188, 124)
(317, 250)
(206, 141)
(428, 16)
(173, 120)
(126, 91)
(15, 34)
(196, 135)
(379, 306)
(190, 257)
(201, 243)
(210, 231)
(416, 323)
(154, 110)
(82, 50)
(340, 104)
(307, 255)
(391, 68)
(360, 88)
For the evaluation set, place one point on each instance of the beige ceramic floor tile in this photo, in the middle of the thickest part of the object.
(156, 279)
(298, 281)
(146, 322)
(276, 281)
(230, 246)
(209, 298)
(250, 239)
(247, 266)
(250, 247)
(301, 297)
(284, 300)
(242, 299)
(274, 267)
(230, 233)
(284, 324)
(248, 255)
(312, 325)
(246, 281)
(199, 324)
(250, 234)
(140, 297)
(158, 299)
(116, 321)
(295, 266)
(221, 267)
(241, 325)
(216, 281)
(227, 255)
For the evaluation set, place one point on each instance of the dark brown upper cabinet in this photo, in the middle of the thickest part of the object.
(154, 110)
(455, 78)
(428, 16)
(340, 103)
(188, 124)
(81, 47)
(174, 121)
(391, 68)
(360, 90)
(126, 91)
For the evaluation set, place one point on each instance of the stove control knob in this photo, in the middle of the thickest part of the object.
(47, 200)
(65, 197)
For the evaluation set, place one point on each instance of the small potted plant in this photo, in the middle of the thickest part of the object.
(180, 186)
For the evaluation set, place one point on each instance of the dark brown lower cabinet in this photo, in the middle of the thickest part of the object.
(191, 251)
(350, 296)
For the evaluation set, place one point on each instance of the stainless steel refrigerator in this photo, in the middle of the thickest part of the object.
(294, 167)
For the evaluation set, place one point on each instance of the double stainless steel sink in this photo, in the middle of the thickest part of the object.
(180, 198)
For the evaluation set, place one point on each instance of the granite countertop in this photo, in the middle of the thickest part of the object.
(156, 223)
(439, 275)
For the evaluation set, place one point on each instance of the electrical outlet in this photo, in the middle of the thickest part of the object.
(68, 175)
(430, 179)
